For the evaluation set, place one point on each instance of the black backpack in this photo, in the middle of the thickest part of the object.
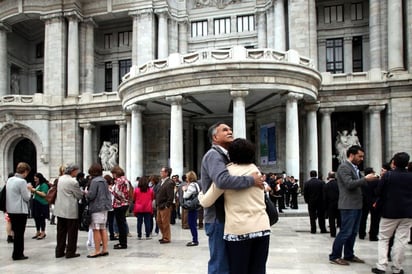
(3, 199)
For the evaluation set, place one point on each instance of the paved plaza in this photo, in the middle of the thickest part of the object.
(292, 250)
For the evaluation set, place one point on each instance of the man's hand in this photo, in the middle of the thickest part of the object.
(258, 178)
(371, 177)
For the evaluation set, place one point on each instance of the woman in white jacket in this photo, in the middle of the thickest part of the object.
(247, 227)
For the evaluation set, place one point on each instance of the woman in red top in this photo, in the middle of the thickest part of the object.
(143, 210)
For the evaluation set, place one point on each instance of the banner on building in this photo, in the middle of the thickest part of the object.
(268, 144)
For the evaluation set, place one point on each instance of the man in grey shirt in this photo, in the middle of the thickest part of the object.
(214, 170)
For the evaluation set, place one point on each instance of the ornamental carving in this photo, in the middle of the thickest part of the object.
(220, 4)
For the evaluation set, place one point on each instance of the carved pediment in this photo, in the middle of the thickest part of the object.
(220, 4)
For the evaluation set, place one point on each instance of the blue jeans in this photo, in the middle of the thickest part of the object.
(143, 218)
(218, 262)
(350, 221)
(192, 221)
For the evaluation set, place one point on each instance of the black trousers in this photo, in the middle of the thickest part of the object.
(66, 229)
(334, 220)
(316, 210)
(374, 225)
(248, 256)
(120, 215)
(18, 225)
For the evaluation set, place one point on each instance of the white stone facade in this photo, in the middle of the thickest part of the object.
(162, 72)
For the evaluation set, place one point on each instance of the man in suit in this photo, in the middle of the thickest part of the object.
(313, 195)
(350, 205)
(164, 204)
(395, 192)
(331, 198)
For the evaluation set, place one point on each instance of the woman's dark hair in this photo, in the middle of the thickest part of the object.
(118, 171)
(143, 184)
(242, 151)
(154, 178)
(41, 178)
(95, 170)
(108, 179)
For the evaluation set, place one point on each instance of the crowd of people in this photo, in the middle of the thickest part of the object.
(231, 191)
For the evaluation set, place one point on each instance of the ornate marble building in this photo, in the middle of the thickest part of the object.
(300, 78)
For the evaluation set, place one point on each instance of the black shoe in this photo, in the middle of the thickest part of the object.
(120, 246)
(192, 244)
(94, 256)
(373, 239)
(324, 231)
(10, 239)
(72, 256)
(60, 255)
(164, 242)
(378, 271)
(20, 258)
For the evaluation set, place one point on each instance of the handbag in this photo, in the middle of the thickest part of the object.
(86, 219)
(271, 210)
(51, 195)
(192, 203)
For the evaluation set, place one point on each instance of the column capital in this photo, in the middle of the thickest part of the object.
(293, 96)
(87, 125)
(162, 11)
(121, 123)
(312, 106)
(73, 16)
(375, 108)
(135, 108)
(326, 111)
(239, 93)
(52, 16)
(175, 100)
(141, 12)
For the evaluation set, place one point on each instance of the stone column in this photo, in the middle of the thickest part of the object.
(122, 143)
(292, 134)
(375, 135)
(395, 35)
(115, 75)
(270, 25)
(55, 55)
(89, 58)
(144, 25)
(173, 37)
(128, 146)
(163, 41)
(200, 129)
(375, 35)
(136, 142)
(347, 49)
(135, 33)
(87, 145)
(183, 37)
(176, 134)
(311, 139)
(261, 31)
(280, 25)
(239, 113)
(326, 140)
(4, 79)
(73, 57)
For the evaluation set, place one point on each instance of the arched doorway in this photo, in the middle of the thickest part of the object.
(25, 151)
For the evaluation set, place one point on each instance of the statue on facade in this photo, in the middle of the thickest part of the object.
(218, 3)
(14, 84)
(108, 155)
(344, 140)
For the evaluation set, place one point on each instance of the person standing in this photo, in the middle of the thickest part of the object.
(293, 190)
(313, 195)
(100, 202)
(143, 210)
(394, 192)
(247, 228)
(164, 204)
(17, 206)
(331, 198)
(121, 201)
(191, 188)
(369, 198)
(66, 208)
(350, 205)
(214, 170)
(41, 210)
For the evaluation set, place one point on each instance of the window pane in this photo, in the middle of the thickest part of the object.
(227, 27)
(340, 13)
(327, 15)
